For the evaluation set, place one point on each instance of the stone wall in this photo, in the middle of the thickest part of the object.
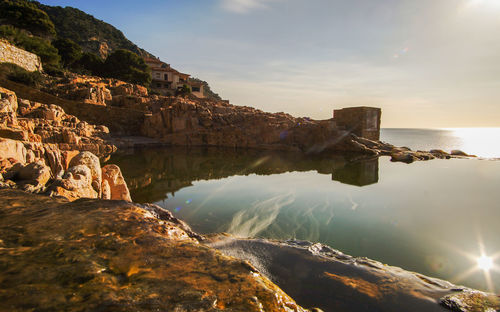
(362, 121)
(25, 59)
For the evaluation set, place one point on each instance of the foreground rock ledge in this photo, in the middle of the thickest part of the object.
(94, 255)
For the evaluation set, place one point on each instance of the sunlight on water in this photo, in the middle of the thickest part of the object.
(483, 142)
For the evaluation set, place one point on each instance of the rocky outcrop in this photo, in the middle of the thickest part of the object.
(116, 256)
(80, 178)
(33, 122)
(99, 91)
(45, 150)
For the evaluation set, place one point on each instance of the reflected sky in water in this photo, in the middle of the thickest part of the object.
(422, 217)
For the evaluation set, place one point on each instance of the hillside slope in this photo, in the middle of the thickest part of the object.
(91, 34)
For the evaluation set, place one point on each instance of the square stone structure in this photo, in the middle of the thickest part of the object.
(362, 121)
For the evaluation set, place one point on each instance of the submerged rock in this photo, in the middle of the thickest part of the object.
(317, 275)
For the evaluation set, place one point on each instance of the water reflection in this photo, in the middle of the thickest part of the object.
(153, 173)
(424, 217)
(361, 172)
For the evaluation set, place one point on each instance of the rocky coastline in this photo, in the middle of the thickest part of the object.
(81, 237)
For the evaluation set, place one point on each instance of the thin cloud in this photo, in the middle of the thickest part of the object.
(244, 6)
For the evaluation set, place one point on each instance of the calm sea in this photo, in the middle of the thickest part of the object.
(483, 142)
(436, 217)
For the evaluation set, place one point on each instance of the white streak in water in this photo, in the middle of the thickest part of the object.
(250, 222)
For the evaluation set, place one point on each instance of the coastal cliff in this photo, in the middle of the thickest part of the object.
(136, 118)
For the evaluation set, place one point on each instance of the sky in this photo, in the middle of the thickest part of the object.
(426, 63)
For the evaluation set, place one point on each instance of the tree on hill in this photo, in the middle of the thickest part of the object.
(127, 66)
(69, 51)
(33, 44)
(87, 31)
(89, 63)
(26, 15)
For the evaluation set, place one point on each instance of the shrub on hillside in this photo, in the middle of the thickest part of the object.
(89, 63)
(41, 47)
(68, 50)
(18, 74)
(127, 66)
(184, 90)
(86, 30)
(26, 15)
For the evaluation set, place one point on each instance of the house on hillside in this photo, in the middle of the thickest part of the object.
(166, 79)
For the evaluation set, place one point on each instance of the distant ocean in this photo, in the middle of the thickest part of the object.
(483, 142)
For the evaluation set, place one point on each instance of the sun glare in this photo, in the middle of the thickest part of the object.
(484, 3)
(485, 263)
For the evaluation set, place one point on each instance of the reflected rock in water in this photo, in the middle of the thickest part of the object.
(152, 173)
(360, 173)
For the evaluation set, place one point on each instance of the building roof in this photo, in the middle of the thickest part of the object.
(195, 83)
(152, 60)
(168, 70)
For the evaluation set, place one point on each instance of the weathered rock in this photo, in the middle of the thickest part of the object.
(405, 157)
(14, 134)
(115, 256)
(439, 154)
(76, 183)
(458, 153)
(70, 137)
(92, 162)
(106, 190)
(471, 301)
(12, 149)
(8, 101)
(35, 173)
(117, 185)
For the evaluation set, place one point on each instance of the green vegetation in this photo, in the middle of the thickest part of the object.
(34, 44)
(26, 15)
(184, 90)
(89, 63)
(18, 74)
(69, 51)
(127, 66)
(87, 31)
(206, 90)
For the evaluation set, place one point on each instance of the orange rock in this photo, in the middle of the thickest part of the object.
(117, 185)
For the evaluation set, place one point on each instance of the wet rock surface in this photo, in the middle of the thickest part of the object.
(94, 255)
(317, 275)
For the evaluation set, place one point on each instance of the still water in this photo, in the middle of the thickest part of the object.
(436, 217)
(483, 142)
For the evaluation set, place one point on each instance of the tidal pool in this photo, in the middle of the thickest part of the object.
(439, 218)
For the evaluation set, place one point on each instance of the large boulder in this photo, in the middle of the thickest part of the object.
(35, 173)
(92, 162)
(114, 183)
(76, 183)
